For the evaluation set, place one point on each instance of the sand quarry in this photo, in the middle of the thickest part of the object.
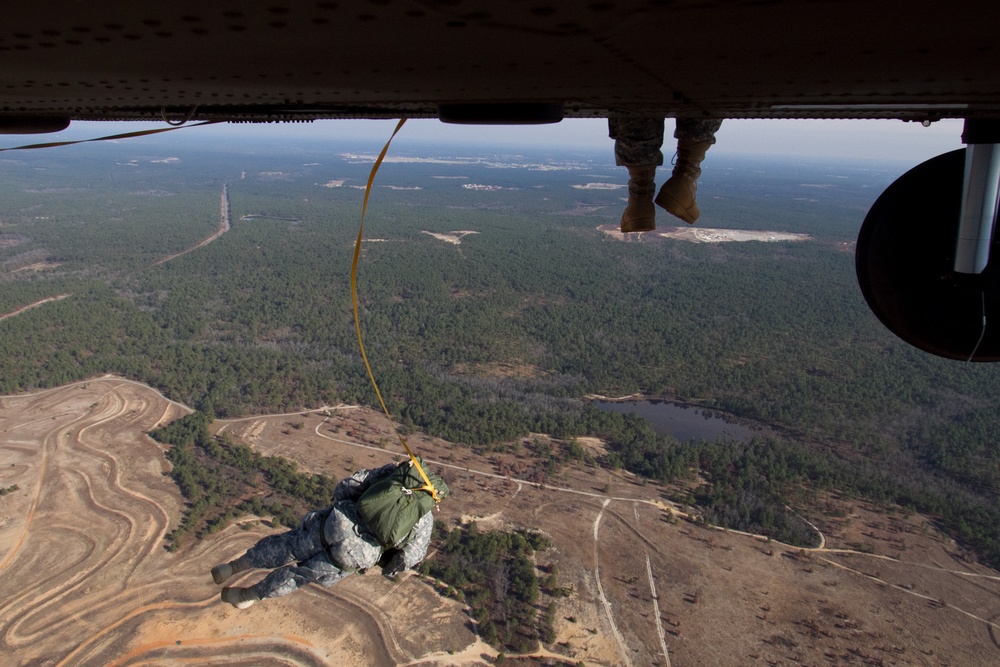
(705, 235)
(85, 580)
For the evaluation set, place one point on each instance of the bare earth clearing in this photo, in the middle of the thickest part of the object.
(706, 235)
(454, 238)
(84, 578)
(38, 266)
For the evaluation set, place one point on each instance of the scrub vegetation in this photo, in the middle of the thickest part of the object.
(494, 573)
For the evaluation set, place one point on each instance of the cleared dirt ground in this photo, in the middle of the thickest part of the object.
(84, 578)
(705, 235)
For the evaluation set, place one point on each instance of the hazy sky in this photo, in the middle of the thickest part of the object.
(862, 139)
(867, 139)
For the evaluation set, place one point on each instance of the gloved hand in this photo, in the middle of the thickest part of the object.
(394, 565)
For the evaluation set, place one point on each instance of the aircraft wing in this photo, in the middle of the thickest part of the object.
(268, 60)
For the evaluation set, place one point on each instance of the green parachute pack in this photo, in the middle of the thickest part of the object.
(391, 507)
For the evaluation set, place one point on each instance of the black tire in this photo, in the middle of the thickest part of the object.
(904, 261)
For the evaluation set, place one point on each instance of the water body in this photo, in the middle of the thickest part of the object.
(684, 423)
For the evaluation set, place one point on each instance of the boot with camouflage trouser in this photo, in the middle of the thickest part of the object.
(640, 214)
(678, 194)
(637, 147)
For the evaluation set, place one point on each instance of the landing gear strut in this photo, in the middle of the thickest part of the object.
(923, 251)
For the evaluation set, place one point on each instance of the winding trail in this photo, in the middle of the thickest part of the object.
(616, 633)
(203, 641)
(656, 611)
(22, 309)
(822, 537)
(903, 589)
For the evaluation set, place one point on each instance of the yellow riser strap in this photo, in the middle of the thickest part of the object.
(357, 320)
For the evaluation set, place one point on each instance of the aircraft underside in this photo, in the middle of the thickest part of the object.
(923, 253)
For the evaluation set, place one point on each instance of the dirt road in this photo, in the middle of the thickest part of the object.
(225, 223)
(18, 311)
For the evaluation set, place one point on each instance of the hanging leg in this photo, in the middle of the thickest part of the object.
(298, 544)
(285, 580)
(694, 138)
(637, 147)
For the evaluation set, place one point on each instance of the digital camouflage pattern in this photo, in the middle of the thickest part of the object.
(301, 557)
(638, 140)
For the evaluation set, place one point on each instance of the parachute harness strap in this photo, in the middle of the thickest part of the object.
(428, 487)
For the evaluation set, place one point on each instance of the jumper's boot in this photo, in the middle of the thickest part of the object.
(241, 598)
(678, 194)
(640, 214)
(221, 573)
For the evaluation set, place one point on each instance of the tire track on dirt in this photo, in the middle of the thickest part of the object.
(36, 496)
(656, 612)
(85, 496)
(237, 656)
(184, 578)
(622, 646)
(376, 619)
(675, 511)
(159, 520)
(229, 646)
(851, 552)
(128, 617)
(93, 478)
(52, 619)
(661, 504)
(90, 607)
(903, 589)
(16, 610)
(652, 594)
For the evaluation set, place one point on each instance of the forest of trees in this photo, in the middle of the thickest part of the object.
(260, 320)
(222, 480)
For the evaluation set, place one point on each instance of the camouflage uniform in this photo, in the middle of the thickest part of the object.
(331, 544)
(638, 140)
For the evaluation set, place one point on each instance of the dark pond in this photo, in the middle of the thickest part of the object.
(683, 423)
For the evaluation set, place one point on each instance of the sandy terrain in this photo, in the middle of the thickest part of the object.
(707, 235)
(39, 266)
(600, 186)
(453, 237)
(84, 579)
